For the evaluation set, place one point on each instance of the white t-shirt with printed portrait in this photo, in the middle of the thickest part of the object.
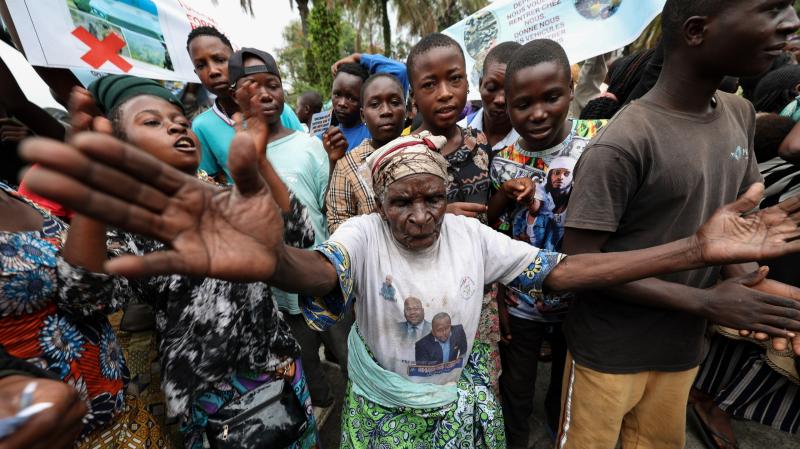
(448, 278)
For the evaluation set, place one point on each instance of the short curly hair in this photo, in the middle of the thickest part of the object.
(207, 31)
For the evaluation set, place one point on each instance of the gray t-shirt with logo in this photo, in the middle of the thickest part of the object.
(649, 177)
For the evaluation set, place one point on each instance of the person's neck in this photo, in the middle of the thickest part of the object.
(350, 125)
(682, 87)
(541, 146)
(228, 105)
(495, 132)
(277, 131)
(376, 144)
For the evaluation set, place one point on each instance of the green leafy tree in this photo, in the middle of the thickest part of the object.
(324, 43)
(420, 17)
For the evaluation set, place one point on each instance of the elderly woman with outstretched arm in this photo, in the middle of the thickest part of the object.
(430, 385)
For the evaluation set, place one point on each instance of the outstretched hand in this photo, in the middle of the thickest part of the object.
(233, 234)
(733, 234)
(789, 292)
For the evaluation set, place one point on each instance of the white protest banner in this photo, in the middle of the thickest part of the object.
(139, 37)
(320, 122)
(585, 28)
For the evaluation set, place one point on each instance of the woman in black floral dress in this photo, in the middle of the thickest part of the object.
(217, 339)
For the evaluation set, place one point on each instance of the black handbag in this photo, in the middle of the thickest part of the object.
(269, 417)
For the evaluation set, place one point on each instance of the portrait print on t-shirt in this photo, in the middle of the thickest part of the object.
(428, 339)
(442, 350)
(541, 223)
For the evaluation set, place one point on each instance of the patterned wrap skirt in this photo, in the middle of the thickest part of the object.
(474, 420)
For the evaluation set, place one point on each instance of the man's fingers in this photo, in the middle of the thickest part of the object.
(779, 318)
(243, 164)
(772, 330)
(132, 161)
(753, 278)
(790, 205)
(102, 125)
(151, 264)
(472, 207)
(780, 344)
(67, 161)
(790, 245)
(749, 200)
(238, 121)
(92, 203)
(796, 344)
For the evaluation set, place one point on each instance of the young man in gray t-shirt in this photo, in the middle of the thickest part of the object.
(655, 173)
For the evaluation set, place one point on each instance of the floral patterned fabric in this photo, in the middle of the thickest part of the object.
(208, 329)
(474, 420)
(36, 325)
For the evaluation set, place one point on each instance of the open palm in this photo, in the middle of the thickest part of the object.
(232, 234)
(734, 234)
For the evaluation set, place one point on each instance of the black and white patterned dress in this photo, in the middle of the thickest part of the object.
(208, 329)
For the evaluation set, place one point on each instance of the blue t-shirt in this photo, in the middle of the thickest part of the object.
(354, 135)
(302, 164)
(215, 131)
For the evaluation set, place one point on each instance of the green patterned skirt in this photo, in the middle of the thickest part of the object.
(474, 420)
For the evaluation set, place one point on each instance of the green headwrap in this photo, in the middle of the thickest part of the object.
(111, 91)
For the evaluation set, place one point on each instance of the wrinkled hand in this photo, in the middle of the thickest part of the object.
(54, 428)
(786, 291)
(733, 235)
(520, 189)
(12, 131)
(471, 210)
(233, 234)
(737, 304)
(335, 143)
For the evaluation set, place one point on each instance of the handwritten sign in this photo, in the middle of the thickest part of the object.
(320, 122)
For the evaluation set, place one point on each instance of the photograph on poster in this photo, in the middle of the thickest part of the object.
(134, 21)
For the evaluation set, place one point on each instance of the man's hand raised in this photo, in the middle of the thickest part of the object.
(734, 234)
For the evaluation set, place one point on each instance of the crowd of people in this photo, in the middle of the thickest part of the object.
(174, 267)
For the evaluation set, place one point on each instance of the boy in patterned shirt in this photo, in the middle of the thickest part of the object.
(538, 90)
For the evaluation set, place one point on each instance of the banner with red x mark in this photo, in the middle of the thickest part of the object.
(145, 38)
(102, 51)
